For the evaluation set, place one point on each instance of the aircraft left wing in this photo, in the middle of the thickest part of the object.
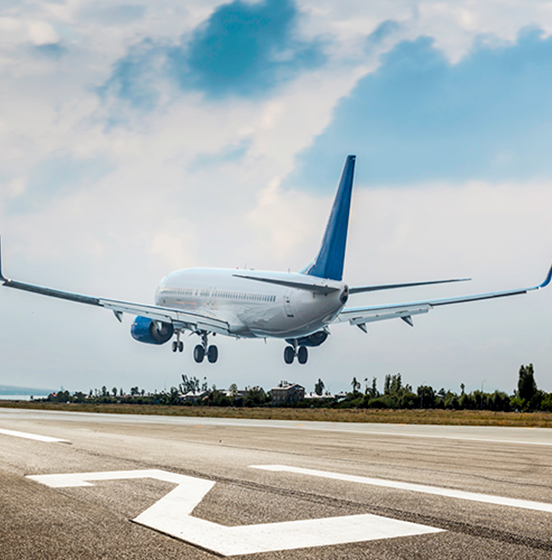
(179, 319)
(359, 316)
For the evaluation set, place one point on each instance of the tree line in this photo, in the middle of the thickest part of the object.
(526, 397)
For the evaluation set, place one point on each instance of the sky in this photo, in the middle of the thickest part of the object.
(138, 138)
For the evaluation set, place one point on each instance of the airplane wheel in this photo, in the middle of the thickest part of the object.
(199, 353)
(212, 354)
(180, 346)
(174, 346)
(302, 355)
(289, 354)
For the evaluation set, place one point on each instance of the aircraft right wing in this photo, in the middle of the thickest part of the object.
(179, 319)
(359, 316)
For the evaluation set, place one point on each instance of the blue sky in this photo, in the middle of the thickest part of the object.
(420, 118)
(139, 138)
(243, 49)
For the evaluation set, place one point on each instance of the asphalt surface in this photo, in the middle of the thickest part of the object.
(103, 518)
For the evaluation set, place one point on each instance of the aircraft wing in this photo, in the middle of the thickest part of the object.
(179, 319)
(359, 316)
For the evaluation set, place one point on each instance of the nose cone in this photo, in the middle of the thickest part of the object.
(344, 295)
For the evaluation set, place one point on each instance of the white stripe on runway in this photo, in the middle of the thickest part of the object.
(36, 437)
(448, 492)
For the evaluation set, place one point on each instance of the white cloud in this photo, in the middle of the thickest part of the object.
(16, 31)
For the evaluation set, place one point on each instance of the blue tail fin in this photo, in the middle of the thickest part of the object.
(330, 259)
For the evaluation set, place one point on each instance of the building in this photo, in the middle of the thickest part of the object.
(313, 396)
(287, 393)
(193, 396)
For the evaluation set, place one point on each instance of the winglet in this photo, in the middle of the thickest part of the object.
(1, 275)
(543, 285)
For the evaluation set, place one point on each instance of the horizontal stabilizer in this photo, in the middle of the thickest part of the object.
(318, 288)
(361, 289)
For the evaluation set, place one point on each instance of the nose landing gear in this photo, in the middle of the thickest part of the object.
(177, 345)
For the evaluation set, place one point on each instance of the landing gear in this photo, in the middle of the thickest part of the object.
(203, 349)
(290, 352)
(177, 345)
(302, 355)
(199, 353)
(212, 354)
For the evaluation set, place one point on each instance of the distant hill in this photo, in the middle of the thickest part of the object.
(11, 390)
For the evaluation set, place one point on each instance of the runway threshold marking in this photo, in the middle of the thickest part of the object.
(36, 437)
(172, 515)
(436, 490)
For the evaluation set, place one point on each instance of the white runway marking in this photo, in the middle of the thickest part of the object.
(36, 437)
(438, 491)
(459, 438)
(503, 435)
(172, 515)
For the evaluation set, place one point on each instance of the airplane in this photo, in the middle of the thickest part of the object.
(296, 307)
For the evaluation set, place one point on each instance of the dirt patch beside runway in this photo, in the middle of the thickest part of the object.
(436, 417)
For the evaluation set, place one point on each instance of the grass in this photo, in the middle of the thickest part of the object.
(440, 417)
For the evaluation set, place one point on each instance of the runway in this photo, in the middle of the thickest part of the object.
(92, 486)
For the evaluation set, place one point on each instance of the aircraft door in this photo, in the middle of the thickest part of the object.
(288, 305)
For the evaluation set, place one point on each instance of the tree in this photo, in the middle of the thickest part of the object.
(190, 384)
(114, 391)
(319, 387)
(527, 387)
(387, 385)
(374, 389)
(396, 383)
(426, 394)
(355, 385)
(255, 397)
(172, 397)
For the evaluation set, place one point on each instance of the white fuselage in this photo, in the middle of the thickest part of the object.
(253, 308)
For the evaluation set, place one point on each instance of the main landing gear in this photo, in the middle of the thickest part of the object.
(203, 349)
(200, 351)
(291, 351)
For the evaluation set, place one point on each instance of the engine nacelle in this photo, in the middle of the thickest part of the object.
(151, 332)
(314, 339)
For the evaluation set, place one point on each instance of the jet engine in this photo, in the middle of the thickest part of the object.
(151, 332)
(314, 339)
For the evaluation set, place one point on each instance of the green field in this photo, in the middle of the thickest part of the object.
(443, 417)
